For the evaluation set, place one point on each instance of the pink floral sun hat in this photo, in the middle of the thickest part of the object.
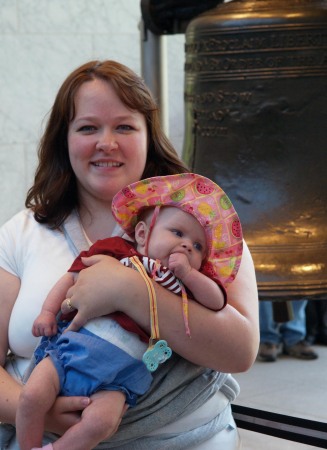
(196, 195)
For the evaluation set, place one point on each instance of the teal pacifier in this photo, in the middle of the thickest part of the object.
(156, 354)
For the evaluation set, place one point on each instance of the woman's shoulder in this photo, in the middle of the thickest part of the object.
(22, 241)
(19, 219)
(12, 241)
(24, 221)
(21, 229)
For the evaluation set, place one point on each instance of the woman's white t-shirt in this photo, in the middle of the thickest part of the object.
(38, 256)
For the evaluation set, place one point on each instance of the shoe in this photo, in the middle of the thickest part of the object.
(268, 352)
(301, 350)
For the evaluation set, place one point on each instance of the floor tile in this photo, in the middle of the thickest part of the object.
(288, 386)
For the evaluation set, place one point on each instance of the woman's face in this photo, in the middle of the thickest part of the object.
(107, 142)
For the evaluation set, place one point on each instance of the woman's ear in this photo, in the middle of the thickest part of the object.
(141, 235)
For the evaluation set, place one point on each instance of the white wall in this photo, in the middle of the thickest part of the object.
(41, 41)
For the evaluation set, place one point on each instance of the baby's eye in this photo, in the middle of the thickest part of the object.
(177, 232)
(198, 246)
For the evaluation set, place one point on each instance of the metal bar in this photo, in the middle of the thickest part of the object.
(291, 428)
(154, 69)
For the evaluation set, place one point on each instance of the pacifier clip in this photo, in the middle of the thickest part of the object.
(158, 351)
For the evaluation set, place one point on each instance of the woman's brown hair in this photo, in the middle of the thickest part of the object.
(54, 194)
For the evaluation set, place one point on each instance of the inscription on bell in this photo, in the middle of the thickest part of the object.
(241, 62)
(212, 109)
(221, 97)
(267, 41)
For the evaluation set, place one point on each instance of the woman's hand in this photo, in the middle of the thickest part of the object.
(100, 289)
(65, 413)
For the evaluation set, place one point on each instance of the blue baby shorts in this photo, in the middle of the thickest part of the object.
(86, 363)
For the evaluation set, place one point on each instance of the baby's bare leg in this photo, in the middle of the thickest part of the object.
(36, 398)
(99, 420)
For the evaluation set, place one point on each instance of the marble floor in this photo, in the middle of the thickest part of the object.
(288, 386)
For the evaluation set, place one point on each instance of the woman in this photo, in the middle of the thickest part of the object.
(102, 134)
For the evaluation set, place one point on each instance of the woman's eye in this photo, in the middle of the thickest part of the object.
(125, 127)
(87, 128)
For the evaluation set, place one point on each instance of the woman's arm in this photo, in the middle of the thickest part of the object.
(9, 388)
(66, 411)
(226, 341)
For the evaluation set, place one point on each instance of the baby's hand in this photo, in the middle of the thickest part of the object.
(179, 264)
(45, 324)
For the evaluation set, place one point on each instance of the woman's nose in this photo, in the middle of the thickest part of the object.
(107, 142)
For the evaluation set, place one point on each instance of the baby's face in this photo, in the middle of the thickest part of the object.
(176, 231)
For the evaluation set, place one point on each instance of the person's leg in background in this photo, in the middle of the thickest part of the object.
(316, 319)
(312, 319)
(322, 325)
(295, 330)
(270, 338)
(291, 334)
(294, 334)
